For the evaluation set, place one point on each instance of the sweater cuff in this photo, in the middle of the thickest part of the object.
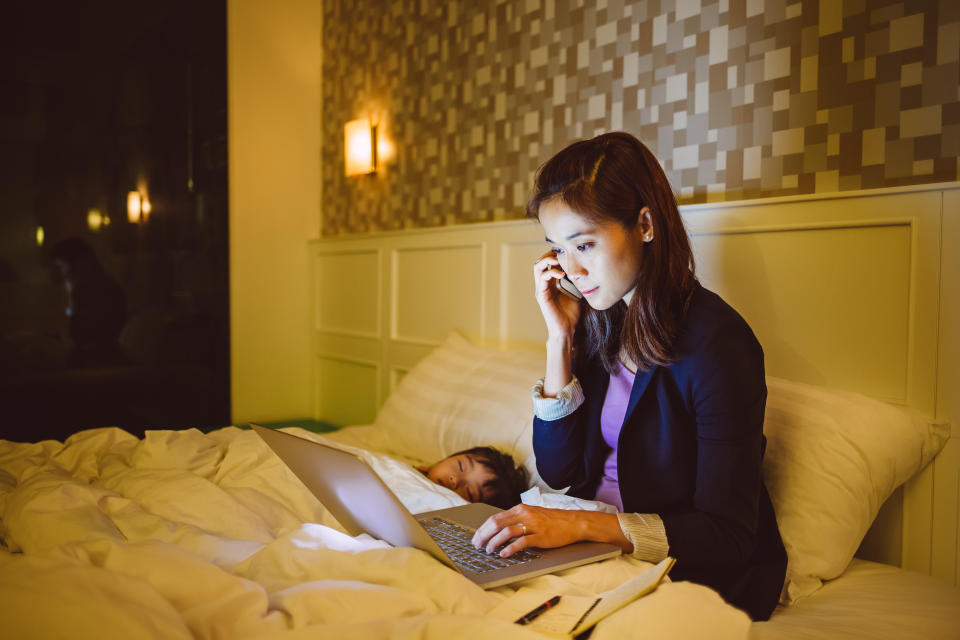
(566, 402)
(647, 534)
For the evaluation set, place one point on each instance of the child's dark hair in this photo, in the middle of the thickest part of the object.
(509, 479)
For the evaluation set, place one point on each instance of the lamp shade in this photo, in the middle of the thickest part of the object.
(133, 207)
(94, 219)
(360, 147)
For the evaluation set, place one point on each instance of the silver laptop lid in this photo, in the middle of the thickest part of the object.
(363, 503)
(352, 492)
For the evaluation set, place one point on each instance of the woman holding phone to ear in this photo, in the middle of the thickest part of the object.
(654, 392)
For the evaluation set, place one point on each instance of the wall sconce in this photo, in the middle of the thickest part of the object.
(40, 236)
(360, 147)
(138, 207)
(133, 207)
(95, 219)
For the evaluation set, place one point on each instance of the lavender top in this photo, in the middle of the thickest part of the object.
(611, 421)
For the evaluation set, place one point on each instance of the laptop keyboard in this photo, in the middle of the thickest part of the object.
(455, 540)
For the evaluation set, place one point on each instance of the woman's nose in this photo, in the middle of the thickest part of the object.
(573, 268)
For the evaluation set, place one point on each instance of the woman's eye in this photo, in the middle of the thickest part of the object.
(556, 251)
(583, 247)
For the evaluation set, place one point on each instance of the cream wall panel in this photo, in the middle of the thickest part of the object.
(838, 291)
(406, 354)
(946, 476)
(348, 292)
(918, 210)
(441, 289)
(842, 290)
(884, 540)
(334, 344)
(396, 375)
(520, 321)
(347, 391)
(918, 522)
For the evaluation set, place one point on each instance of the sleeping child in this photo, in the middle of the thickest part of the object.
(481, 474)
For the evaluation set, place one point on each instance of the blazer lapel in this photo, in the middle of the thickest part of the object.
(640, 383)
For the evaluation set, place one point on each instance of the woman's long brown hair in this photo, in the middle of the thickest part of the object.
(613, 177)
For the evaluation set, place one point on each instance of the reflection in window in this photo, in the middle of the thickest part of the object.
(107, 320)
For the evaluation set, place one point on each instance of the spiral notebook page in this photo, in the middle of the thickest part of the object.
(624, 595)
(558, 620)
(575, 614)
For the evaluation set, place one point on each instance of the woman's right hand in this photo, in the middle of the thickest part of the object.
(560, 311)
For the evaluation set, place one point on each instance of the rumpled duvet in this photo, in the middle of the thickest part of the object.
(183, 534)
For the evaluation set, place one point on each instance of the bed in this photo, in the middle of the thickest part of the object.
(182, 533)
(185, 534)
(190, 534)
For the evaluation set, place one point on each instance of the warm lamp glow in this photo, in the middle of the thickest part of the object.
(145, 208)
(133, 207)
(384, 149)
(95, 219)
(360, 147)
(40, 236)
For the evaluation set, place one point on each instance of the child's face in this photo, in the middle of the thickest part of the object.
(464, 474)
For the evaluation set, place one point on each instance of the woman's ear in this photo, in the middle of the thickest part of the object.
(645, 224)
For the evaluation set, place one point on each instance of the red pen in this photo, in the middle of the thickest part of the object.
(527, 618)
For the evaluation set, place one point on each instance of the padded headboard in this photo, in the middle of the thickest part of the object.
(843, 290)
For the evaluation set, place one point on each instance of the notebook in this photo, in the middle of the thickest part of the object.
(574, 615)
(362, 503)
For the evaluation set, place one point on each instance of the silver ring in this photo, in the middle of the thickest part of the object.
(523, 528)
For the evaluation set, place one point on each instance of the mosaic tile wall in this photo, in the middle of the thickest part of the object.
(737, 98)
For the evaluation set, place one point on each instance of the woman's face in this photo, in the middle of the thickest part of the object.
(601, 258)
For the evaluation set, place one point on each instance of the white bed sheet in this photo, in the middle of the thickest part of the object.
(185, 534)
(870, 601)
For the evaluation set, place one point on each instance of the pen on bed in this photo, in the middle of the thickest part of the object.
(527, 618)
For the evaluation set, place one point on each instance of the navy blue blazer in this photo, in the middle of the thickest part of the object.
(690, 451)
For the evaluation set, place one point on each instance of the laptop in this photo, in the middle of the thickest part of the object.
(362, 503)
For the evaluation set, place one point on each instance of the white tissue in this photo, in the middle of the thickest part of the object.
(537, 498)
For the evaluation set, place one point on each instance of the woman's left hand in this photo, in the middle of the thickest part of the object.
(531, 527)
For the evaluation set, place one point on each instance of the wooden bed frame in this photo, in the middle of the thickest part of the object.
(858, 291)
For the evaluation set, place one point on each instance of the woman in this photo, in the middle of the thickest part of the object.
(96, 305)
(654, 392)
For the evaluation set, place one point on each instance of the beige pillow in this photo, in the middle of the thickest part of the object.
(460, 396)
(833, 458)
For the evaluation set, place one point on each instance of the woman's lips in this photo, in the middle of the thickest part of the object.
(589, 292)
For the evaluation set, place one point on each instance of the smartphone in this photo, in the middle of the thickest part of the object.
(568, 288)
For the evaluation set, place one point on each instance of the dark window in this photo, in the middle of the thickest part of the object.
(113, 313)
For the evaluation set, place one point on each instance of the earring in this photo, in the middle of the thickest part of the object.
(648, 237)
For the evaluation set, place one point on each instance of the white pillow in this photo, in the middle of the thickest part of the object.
(461, 396)
(832, 459)
(418, 493)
